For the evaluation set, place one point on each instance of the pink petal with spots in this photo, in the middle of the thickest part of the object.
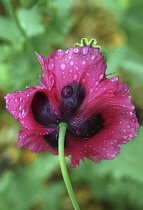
(108, 88)
(119, 128)
(34, 142)
(47, 67)
(19, 105)
(111, 100)
(82, 64)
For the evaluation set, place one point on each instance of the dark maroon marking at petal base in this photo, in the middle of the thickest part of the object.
(87, 128)
(42, 112)
(72, 97)
(52, 138)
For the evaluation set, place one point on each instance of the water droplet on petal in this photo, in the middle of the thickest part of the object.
(71, 63)
(66, 52)
(119, 145)
(131, 135)
(125, 137)
(23, 112)
(100, 76)
(62, 66)
(84, 50)
(22, 122)
(75, 77)
(70, 104)
(19, 108)
(124, 142)
(88, 74)
(92, 57)
(55, 112)
(91, 90)
(75, 50)
(77, 132)
(83, 62)
(50, 66)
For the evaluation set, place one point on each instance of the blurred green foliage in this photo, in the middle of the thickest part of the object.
(43, 26)
(32, 26)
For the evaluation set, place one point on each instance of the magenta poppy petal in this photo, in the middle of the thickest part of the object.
(107, 89)
(107, 144)
(18, 104)
(34, 142)
(119, 128)
(82, 64)
(120, 123)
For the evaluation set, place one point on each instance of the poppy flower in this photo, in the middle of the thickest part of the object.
(75, 90)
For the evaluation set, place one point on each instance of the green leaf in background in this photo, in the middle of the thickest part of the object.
(60, 4)
(128, 60)
(52, 196)
(30, 21)
(25, 187)
(10, 33)
(22, 71)
(6, 52)
(117, 7)
(28, 3)
(60, 22)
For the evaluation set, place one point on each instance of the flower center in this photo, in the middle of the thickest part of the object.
(72, 96)
(67, 91)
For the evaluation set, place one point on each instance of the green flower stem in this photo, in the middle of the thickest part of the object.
(62, 131)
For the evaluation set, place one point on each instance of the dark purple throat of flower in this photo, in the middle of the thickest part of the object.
(72, 96)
